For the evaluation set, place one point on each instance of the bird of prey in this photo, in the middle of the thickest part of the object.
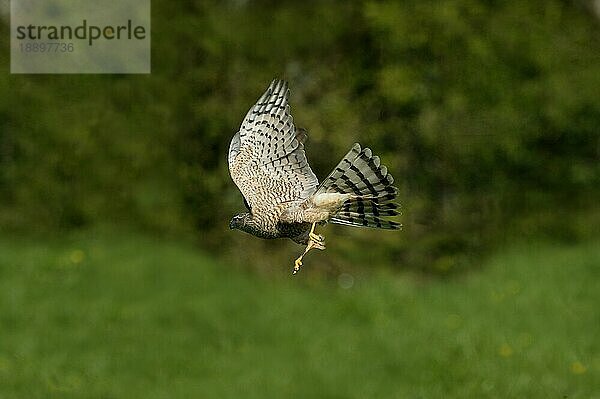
(268, 164)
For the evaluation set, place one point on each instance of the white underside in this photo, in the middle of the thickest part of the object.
(330, 201)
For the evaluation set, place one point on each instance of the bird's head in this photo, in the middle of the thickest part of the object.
(239, 221)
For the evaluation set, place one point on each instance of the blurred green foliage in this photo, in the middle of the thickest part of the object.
(486, 112)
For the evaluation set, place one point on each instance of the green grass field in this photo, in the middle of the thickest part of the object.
(130, 316)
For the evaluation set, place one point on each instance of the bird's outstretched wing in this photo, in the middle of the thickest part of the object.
(266, 156)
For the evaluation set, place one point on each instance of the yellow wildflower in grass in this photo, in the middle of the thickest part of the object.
(505, 350)
(77, 256)
(578, 368)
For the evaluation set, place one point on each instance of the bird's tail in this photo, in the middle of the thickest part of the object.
(361, 174)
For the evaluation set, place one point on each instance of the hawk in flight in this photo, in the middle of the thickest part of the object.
(283, 196)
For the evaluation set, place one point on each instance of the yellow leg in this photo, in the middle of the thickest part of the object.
(314, 241)
(315, 237)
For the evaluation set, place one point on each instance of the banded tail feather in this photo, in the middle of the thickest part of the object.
(361, 174)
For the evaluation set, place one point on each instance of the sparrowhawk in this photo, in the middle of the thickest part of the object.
(268, 164)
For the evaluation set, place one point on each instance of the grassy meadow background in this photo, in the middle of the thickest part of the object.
(119, 276)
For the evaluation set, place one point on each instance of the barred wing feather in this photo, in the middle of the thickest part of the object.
(266, 156)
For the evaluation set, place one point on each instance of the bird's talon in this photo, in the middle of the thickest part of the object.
(297, 265)
(316, 237)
